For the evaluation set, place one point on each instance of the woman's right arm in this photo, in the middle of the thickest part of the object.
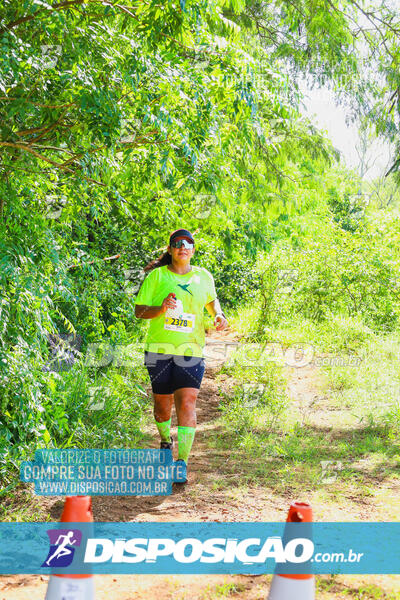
(147, 312)
(142, 311)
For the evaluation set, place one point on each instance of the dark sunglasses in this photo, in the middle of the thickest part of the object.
(180, 243)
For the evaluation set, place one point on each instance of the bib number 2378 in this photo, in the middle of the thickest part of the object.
(183, 323)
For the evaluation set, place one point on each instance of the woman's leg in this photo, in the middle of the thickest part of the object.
(185, 406)
(162, 414)
(187, 376)
(159, 367)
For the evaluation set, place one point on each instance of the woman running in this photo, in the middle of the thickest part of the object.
(173, 297)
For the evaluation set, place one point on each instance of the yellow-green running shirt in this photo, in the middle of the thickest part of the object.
(181, 331)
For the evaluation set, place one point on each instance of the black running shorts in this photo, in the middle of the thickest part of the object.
(169, 372)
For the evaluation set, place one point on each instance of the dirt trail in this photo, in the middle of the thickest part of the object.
(202, 500)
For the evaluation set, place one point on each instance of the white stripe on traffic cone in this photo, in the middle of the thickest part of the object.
(283, 588)
(65, 588)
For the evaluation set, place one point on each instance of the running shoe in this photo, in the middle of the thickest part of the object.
(180, 461)
(167, 445)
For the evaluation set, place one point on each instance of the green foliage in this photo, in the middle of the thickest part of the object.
(346, 211)
(341, 272)
(235, 280)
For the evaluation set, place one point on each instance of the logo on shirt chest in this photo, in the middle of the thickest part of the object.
(185, 286)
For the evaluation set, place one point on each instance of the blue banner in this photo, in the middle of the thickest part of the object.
(199, 548)
(91, 472)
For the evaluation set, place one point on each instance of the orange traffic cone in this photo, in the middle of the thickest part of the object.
(294, 587)
(77, 509)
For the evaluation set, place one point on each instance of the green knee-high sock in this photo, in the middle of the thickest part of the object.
(185, 441)
(164, 429)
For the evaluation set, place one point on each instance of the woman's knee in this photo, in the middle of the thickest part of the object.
(186, 399)
(162, 407)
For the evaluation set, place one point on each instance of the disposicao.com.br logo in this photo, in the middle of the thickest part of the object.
(190, 550)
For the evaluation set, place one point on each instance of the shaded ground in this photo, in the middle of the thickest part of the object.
(217, 492)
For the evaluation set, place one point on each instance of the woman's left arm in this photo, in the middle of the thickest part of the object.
(214, 309)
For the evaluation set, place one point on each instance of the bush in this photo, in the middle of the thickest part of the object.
(341, 273)
(235, 279)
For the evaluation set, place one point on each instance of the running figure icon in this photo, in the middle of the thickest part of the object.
(62, 550)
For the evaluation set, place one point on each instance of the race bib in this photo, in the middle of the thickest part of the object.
(183, 323)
